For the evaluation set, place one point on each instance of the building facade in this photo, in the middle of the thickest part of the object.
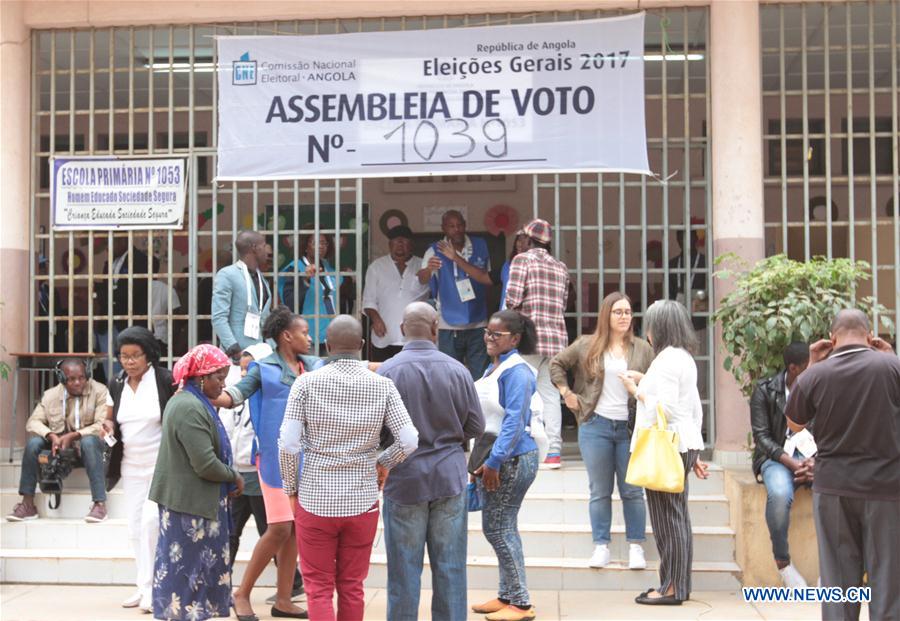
(772, 128)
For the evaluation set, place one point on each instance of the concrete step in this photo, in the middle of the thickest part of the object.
(42, 565)
(571, 478)
(537, 508)
(711, 543)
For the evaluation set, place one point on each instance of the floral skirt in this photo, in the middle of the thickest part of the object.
(191, 578)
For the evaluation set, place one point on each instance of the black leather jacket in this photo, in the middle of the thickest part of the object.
(767, 420)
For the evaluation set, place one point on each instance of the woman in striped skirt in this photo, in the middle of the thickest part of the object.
(671, 381)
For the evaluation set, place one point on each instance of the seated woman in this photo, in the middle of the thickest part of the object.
(670, 381)
(192, 484)
(505, 393)
(267, 385)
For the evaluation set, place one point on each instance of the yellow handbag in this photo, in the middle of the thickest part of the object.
(656, 463)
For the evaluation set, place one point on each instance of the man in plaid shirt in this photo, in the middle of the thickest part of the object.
(538, 288)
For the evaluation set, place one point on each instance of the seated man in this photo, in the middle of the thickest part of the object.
(776, 466)
(69, 414)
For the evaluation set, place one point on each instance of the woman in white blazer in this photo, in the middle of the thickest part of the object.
(671, 381)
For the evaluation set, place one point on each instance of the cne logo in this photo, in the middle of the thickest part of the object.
(243, 71)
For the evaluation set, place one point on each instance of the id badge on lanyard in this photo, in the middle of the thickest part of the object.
(252, 319)
(464, 286)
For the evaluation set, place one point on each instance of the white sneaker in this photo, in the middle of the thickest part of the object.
(146, 603)
(133, 601)
(636, 559)
(791, 578)
(600, 558)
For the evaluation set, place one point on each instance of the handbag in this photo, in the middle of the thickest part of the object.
(656, 463)
(474, 499)
(481, 450)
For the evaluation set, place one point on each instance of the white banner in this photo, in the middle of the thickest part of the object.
(555, 97)
(104, 193)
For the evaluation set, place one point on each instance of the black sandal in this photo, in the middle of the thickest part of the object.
(289, 615)
(663, 600)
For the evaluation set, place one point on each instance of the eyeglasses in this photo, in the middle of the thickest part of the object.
(124, 359)
(621, 312)
(495, 334)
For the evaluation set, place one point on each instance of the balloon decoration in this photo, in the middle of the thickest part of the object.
(501, 219)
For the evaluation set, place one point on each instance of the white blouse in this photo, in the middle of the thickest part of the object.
(139, 421)
(672, 381)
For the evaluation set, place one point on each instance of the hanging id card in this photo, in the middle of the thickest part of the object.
(251, 325)
(465, 290)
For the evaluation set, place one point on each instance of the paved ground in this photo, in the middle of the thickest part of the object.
(30, 602)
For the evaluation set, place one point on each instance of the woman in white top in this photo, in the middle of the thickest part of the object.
(604, 412)
(671, 381)
(137, 399)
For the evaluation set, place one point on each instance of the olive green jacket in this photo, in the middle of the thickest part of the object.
(188, 472)
(589, 387)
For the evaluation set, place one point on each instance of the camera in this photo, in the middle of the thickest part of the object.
(55, 468)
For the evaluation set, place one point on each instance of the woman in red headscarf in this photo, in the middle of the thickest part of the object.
(191, 484)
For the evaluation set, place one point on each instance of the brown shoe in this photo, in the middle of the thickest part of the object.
(22, 512)
(488, 607)
(97, 513)
(511, 613)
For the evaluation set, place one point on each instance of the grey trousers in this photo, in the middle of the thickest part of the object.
(671, 521)
(855, 536)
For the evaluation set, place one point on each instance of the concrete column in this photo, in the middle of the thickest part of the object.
(737, 183)
(15, 200)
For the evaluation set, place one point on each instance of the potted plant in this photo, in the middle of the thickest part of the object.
(779, 301)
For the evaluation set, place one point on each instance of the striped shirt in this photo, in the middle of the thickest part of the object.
(335, 416)
(538, 286)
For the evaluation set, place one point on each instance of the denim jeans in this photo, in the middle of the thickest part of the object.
(500, 524)
(779, 482)
(467, 346)
(442, 526)
(91, 459)
(606, 448)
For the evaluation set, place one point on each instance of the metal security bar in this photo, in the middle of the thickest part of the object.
(831, 121)
(140, 91)
(618, 231)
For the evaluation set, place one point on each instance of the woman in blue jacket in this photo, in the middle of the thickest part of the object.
(505, 393)
(267, 385)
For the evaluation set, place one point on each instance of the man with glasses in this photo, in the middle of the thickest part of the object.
(538, 288)
(69, 415)
(242, 298)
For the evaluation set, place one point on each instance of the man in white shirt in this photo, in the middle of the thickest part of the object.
(391, 285)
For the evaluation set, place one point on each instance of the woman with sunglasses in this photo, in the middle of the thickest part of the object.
(510, 467)
(137, 399)
(605, 414)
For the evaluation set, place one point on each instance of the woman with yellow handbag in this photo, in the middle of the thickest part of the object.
(669, 420)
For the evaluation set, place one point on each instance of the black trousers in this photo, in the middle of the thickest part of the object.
(383, 354)
(242, 508)
(671, 522)
(859, 535)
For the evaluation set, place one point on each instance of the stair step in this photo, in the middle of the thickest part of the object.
(538, 507)
(554, 573)
(571, 478)
(711, 543)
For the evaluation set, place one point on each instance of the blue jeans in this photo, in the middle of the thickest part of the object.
(779, 482)
(467, 346)
(91, 459)
(606, 448)
(500, 524)
(442, 525)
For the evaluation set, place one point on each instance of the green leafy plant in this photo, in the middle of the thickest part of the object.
(779, 301)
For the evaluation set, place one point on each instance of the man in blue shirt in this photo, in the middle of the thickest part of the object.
(424, 497)
(457, 270)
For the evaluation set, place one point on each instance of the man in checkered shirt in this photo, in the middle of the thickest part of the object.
(538, 288)
(334, 415)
